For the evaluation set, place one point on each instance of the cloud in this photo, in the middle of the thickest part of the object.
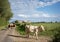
(22, 6)
(47, 3)
(43, 15)
(31, 4)
(37, 15)
(27, 8)
(47, 15)
(13, 18)
(23, 15)
(28, 16)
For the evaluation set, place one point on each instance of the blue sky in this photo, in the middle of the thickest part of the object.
(35, 10)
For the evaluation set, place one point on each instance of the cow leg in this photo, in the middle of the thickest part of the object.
(27, 33)
(36, 33)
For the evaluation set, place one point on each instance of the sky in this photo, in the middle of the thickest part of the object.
(35, 10)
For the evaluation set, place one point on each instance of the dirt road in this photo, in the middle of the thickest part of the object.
(4, 36)
(23, 39)
(12, 36)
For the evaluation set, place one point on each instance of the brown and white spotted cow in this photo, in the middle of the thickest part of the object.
(11, 25)
(35, 29)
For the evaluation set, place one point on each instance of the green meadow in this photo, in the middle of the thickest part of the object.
(50, 28)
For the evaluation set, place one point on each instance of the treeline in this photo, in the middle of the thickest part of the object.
(46, 22)
(5, 12)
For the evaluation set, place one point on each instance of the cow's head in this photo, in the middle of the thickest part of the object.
(41, 28)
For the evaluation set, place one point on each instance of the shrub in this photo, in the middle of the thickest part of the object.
(57, 36)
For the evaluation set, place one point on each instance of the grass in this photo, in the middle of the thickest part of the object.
(2, 27)
(3, 24)
(50, 28)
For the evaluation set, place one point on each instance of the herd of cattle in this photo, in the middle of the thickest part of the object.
(30, 28)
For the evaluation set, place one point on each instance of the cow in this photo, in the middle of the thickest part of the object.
(11, 25)
(34, 29)
(11, 28)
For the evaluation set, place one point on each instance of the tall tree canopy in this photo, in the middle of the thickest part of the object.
(5, 11)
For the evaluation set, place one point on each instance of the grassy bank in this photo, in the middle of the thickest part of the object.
(2, 27)
(3, 24)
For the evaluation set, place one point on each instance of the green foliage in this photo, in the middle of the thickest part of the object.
(57, 35)
(16, 21)
(5, 12)
(21, 28)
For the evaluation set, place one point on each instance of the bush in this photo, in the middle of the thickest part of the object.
(57, 36)
(21, 28)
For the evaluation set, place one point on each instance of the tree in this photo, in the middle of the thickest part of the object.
(5, 11)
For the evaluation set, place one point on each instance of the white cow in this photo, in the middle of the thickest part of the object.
(35, 29)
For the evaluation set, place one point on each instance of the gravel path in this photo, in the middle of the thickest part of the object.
(12, 36)
(4, 36)
(22, 38)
